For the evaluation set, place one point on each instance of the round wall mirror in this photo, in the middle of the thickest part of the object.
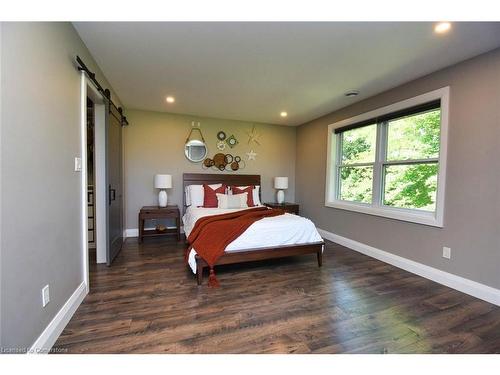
(195, 150)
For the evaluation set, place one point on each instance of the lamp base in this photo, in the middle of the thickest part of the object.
(280, 197)
(162, 198)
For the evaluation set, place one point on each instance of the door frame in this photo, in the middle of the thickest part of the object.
(88, 89)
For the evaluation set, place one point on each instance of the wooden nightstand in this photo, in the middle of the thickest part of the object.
(292, 208)
(155, 212)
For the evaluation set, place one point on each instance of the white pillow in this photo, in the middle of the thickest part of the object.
(195, 194)
(255, 194)
(232, 201)
(188, 196)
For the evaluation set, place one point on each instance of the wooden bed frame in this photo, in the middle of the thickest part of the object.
(247, 255)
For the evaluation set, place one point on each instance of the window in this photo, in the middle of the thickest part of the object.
(357, 159)
(391, 162)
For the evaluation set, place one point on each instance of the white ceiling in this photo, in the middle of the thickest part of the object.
(253, 71)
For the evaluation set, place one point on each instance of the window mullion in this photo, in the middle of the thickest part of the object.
(412, 161)
(378, 165)
(357, 165)
(338, 158)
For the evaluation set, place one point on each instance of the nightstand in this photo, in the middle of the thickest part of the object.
(291, 208)
(155, 212)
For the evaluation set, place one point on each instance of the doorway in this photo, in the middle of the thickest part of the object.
(101, 185)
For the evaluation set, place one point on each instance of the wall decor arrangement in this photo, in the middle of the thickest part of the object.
(253, 136)
(224, 162)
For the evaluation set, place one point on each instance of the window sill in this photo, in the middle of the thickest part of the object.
(412, 216)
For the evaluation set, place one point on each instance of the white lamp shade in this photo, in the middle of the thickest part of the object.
(163, 181)
(281, 182)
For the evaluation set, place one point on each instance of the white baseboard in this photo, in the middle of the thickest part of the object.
(459, 283)
(49, 336)
(134, 232)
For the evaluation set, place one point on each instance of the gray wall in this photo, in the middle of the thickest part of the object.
(40, 192)
(154, 143)
(472, 205)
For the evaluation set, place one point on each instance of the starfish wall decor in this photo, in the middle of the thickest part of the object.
(251, 155)
(253, 136)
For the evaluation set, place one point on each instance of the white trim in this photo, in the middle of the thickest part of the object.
(49, 336)
(83, 179)
(415, 216)
(459, 283)
(88, 89)
(134, 232)
(129, 233)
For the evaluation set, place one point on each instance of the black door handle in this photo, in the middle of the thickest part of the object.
(112, 195)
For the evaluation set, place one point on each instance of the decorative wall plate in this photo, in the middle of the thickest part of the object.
(232, 141)
(220, 160)
(208, 163)
(221, 145)
(221, 135)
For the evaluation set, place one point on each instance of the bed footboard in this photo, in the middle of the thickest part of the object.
(262, 254)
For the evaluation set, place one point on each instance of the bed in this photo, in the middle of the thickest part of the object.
(277, 237)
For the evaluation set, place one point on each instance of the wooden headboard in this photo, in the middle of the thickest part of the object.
(212, 178)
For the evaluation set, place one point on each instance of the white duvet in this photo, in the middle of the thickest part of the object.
(280, 230)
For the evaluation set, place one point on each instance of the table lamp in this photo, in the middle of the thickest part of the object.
(162, 182)
(280, 183)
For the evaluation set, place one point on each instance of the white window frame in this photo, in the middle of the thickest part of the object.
(435, 218)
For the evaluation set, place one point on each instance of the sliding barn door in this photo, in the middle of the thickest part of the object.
(114, 178)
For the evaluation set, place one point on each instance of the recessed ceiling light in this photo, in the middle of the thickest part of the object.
(442, 27)
(170, 99)
(351, 93)
(283, 114)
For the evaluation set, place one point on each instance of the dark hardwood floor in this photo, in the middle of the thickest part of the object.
(148, 302)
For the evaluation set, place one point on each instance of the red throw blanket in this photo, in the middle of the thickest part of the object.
(211, 234)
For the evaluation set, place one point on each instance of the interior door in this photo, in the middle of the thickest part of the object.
(114, 184)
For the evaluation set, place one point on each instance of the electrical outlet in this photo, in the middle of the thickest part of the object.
(45, 295)
(446, 252)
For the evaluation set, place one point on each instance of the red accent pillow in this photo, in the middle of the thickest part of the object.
(249, 190)
(210, 197)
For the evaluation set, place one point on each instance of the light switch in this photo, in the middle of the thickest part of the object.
(78, 164)
(45, 295)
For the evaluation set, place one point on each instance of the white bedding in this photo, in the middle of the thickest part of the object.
(280, 230)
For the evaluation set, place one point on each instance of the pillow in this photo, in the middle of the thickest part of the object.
(256, 196)
(253, 194)
(195, 194)
(232, 201)
(209, 196)
(188, 196)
